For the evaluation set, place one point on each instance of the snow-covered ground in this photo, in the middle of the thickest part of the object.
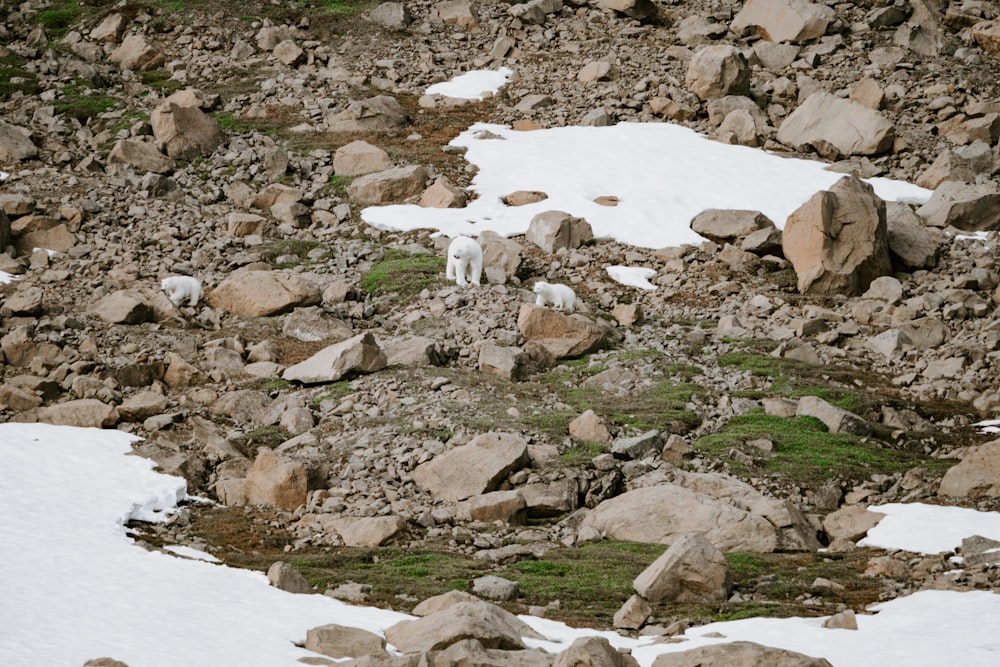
(662, 174)
(76, 587)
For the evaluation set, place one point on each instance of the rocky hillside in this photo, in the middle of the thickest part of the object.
(344, 400)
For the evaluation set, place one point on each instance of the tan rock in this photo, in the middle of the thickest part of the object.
(442, 194)
(262, 293)
(141, 155)
(342, 641)
(524, 197)
(185, 132)
(374, 114)
(561, 335)
(472, 469)
(359, 354)
(372, 531)
(593, 652)
(835, 127)
(977, 475)
(729, 225)
(851, 522)
(716, 71)
(552, 230)
(964, 206)
(276, 481)
(57, 238)
(691, 570)
(661, 514)
(458, 13)
(738, 654)
(785, 20)
(640, 10)
(134, 53)
(633, 614)
(180, 373)
(358, 158)
(588, 426)
(489, 624)
(504, 506)
(838, 240)
(389, 186)
(285, 577)
(85, 412)
(15, 144)
(123, 307)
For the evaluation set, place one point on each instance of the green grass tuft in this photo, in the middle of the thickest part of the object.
(57, 20)
(402, 274)
(300, 248)
(804, 450)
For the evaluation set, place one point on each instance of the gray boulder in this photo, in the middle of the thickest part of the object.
(359, 354)
(691, 570)
(835, 127)
(838, 240)
(472, 469)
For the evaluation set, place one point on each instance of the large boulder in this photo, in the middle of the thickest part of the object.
(987, 35)
(552, 230)
(795, 531)
(85, 412)
(835, 127)
(276, 481)
(838, 240)
(977, 475)
(640, 10)
(561, 335)
(593, 652)
(729, 225)
(691, 570)
(492, 626)
(794, 21)
(360, 157)
(662, 514)
(371, 531)
(15, 144)
(344, 641)
(716, 71)
(359, 354)
(134, 53)
(911, 244)
(851, 522)
(471, 652)
(261, 293)
(738, 654)
(123, 307)
(140, 155)
(374, 114)
(284, 576)
(967, 207)
(472, 469)
(185, 132)
(388, 186)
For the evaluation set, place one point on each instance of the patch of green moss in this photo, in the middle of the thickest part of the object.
(264, 436)
(581, 453)
(402, 274)
(804, 450)
(299, 248)
(82, 103)
(58, 19)
(14, 77)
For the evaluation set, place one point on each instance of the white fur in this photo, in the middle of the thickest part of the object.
(465, 261)
(182, 288)
(561, 297)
